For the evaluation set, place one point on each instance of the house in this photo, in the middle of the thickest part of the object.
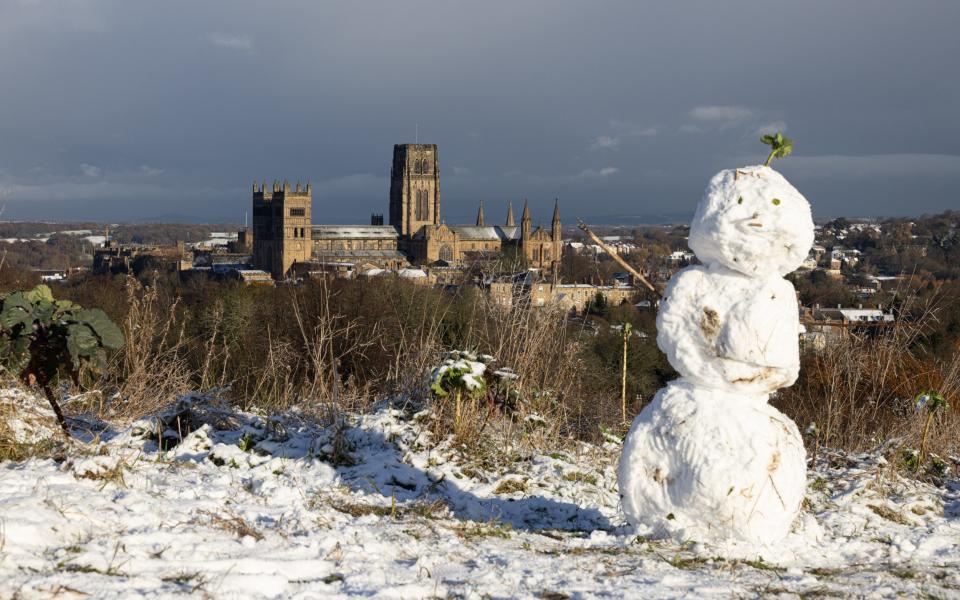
(822, 325)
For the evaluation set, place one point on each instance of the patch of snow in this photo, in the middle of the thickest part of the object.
(393, 517)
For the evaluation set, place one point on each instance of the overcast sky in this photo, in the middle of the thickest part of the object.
(121, 110)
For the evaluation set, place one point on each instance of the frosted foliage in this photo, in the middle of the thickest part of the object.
(709, 459)
(701, 464)
(753, 221)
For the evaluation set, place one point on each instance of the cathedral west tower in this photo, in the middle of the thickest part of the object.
(414, 188)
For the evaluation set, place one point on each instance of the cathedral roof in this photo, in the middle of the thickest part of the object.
(340, 254)
(490, 232)
(348, 232)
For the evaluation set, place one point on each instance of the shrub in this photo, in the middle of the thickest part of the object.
(42, 338)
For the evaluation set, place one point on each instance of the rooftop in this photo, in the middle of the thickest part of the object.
(358, 254)
(335, 232)
(491, 232)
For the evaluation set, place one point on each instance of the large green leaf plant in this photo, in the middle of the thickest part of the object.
(42, 339)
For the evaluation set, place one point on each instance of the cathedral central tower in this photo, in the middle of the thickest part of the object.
(414, 187)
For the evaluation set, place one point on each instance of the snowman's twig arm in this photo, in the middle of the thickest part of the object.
(583, 227)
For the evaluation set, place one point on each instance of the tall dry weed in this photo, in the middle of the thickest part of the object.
(860, 390)
(151, 370)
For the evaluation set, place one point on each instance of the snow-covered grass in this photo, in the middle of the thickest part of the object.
(208, 500)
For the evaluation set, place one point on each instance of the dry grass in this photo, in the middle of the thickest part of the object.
(427, 509)
(860, 390)
(510, 486)
(232, 523)
(329, 349)
(45, 441)
(151, 370)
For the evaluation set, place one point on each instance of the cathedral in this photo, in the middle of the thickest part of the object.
(284, 240)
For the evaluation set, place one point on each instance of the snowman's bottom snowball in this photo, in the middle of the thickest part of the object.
(704, 465)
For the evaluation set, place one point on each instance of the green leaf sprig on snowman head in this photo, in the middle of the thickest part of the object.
(780, 146)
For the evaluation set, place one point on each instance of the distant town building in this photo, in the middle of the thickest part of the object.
(823, 325)
(114, 257)
(532, 290)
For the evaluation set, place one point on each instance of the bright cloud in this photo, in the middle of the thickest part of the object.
(241, 42)
(604, 142)
(721, 113)
(875, 166)
(595, 173)
(91, 170)
(621, 129)
(150, 171)
(628, 129)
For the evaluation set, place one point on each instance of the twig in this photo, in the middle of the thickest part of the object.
(615, 256)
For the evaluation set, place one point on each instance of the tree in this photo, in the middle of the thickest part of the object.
(597, 305)
(42, 338)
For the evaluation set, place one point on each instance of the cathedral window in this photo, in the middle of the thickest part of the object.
(423, 205)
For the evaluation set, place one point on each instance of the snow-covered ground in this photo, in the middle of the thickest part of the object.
(249, 506)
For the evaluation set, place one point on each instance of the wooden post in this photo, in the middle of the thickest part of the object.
(583, 227)
(627, 329)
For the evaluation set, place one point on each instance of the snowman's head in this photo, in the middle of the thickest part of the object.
(753, 221)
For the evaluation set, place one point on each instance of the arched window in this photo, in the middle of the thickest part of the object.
(422, 211)
(424, 166)
(446, 253)
(421, 205)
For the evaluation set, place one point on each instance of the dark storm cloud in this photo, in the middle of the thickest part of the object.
(129, 110)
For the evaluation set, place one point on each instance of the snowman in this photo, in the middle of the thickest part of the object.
(709, 459)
